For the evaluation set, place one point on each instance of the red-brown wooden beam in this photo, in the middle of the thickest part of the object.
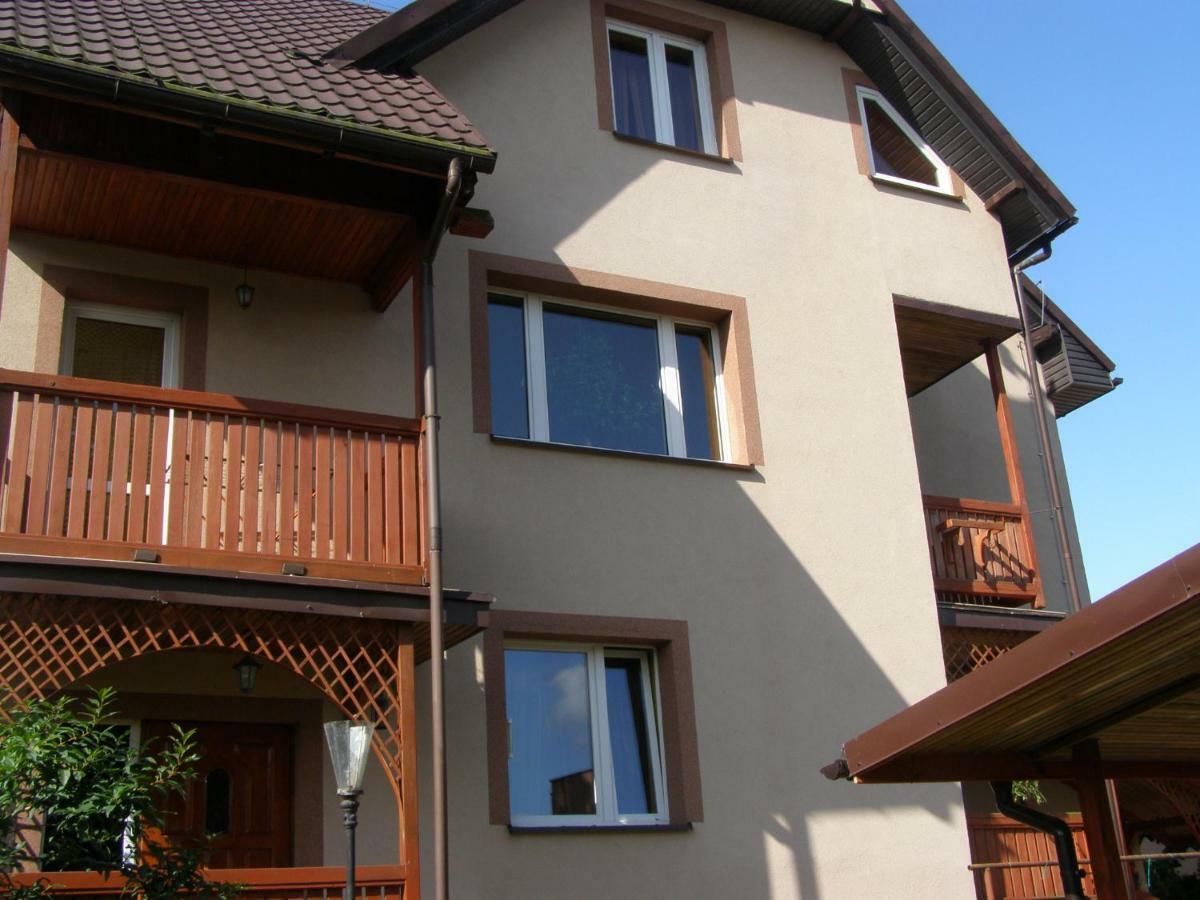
(1012, 456)
(1104, 846)
(10, 135)
(472, 223)
(394, 270)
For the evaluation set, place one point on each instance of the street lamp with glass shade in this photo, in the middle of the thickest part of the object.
(349, 744)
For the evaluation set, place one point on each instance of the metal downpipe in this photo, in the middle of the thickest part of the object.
(431, 418)
(1074, 597)
(1068, 862)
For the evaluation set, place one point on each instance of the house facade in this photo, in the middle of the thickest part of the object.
(741, 449)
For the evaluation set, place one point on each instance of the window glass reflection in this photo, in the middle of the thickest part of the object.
(685, 98)
(603, 380)
(632, 770)
(550, 767)
(506, 354)
(698, 389)
(633, 102)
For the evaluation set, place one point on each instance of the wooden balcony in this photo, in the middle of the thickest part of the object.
(327, 883)
(981, 552)
(100, 470)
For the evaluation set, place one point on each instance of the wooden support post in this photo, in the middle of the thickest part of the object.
(409, 823)
(1104, 847)
(1008, 435)
(1012, 460)
(10, 134)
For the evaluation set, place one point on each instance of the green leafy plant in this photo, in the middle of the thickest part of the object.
(1028, 792)
(62, 763)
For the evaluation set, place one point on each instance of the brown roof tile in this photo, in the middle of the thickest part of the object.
(266, 52)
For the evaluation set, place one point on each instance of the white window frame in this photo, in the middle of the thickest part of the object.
(604, 783)
(168, 322)
(656, 45)
(942, 171)
(668, 380)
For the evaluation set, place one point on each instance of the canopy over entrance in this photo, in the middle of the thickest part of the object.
(1112, 692)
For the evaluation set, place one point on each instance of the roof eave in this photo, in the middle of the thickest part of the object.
(1155, 594)
(34, 70)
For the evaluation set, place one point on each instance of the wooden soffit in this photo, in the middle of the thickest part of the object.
(109, 203)
(937, 339)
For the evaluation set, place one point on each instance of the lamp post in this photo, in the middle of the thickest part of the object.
(349, 743)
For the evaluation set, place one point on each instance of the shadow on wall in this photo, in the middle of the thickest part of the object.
(805, 584)
(781, 678)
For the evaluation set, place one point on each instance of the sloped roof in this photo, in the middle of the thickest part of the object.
(880, 37)
(1124, 671)
(266, 53)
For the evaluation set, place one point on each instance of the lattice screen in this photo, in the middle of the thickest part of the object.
(966, 649)
(49, 642)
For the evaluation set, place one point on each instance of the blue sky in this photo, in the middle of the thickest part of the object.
(1100, 99)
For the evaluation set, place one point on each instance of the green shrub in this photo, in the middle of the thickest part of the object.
(62, 760)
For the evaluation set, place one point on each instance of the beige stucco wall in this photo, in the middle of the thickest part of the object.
(806, 583)
(303, 340)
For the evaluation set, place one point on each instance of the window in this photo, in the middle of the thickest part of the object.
(116, 343)
(896, 153)
(584, 736)
(660, 88)
(594, 377)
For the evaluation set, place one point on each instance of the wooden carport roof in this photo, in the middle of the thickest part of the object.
(1123, 673)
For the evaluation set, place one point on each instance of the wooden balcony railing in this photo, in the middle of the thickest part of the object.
(101, 470)
(325, 883)
(981, 551)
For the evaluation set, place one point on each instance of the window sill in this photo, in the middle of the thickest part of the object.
(671, 148)
(598, 829)
(629, 454)
(928, 190)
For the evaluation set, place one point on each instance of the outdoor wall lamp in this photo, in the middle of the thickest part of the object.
(244, 292)
(349, 743)
(247, 668)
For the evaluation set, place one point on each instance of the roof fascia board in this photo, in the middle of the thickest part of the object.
(916, 39)
(938, 87)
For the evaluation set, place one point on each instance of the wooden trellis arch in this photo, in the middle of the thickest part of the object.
(48, 642)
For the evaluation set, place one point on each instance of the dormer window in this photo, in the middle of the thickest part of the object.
(660, 88)
(895, 151)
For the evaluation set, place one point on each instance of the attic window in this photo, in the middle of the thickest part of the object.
(897, 154)
(660, 88)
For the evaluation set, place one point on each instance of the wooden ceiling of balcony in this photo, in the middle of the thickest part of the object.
(98, 173)
(937, 339)
(108, 203)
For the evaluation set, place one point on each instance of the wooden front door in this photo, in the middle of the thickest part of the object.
(241, 798)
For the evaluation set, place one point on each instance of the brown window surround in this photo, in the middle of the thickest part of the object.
(668, 637)
(190, 302)
(726, 311)
(711, 32)
(851, 79)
